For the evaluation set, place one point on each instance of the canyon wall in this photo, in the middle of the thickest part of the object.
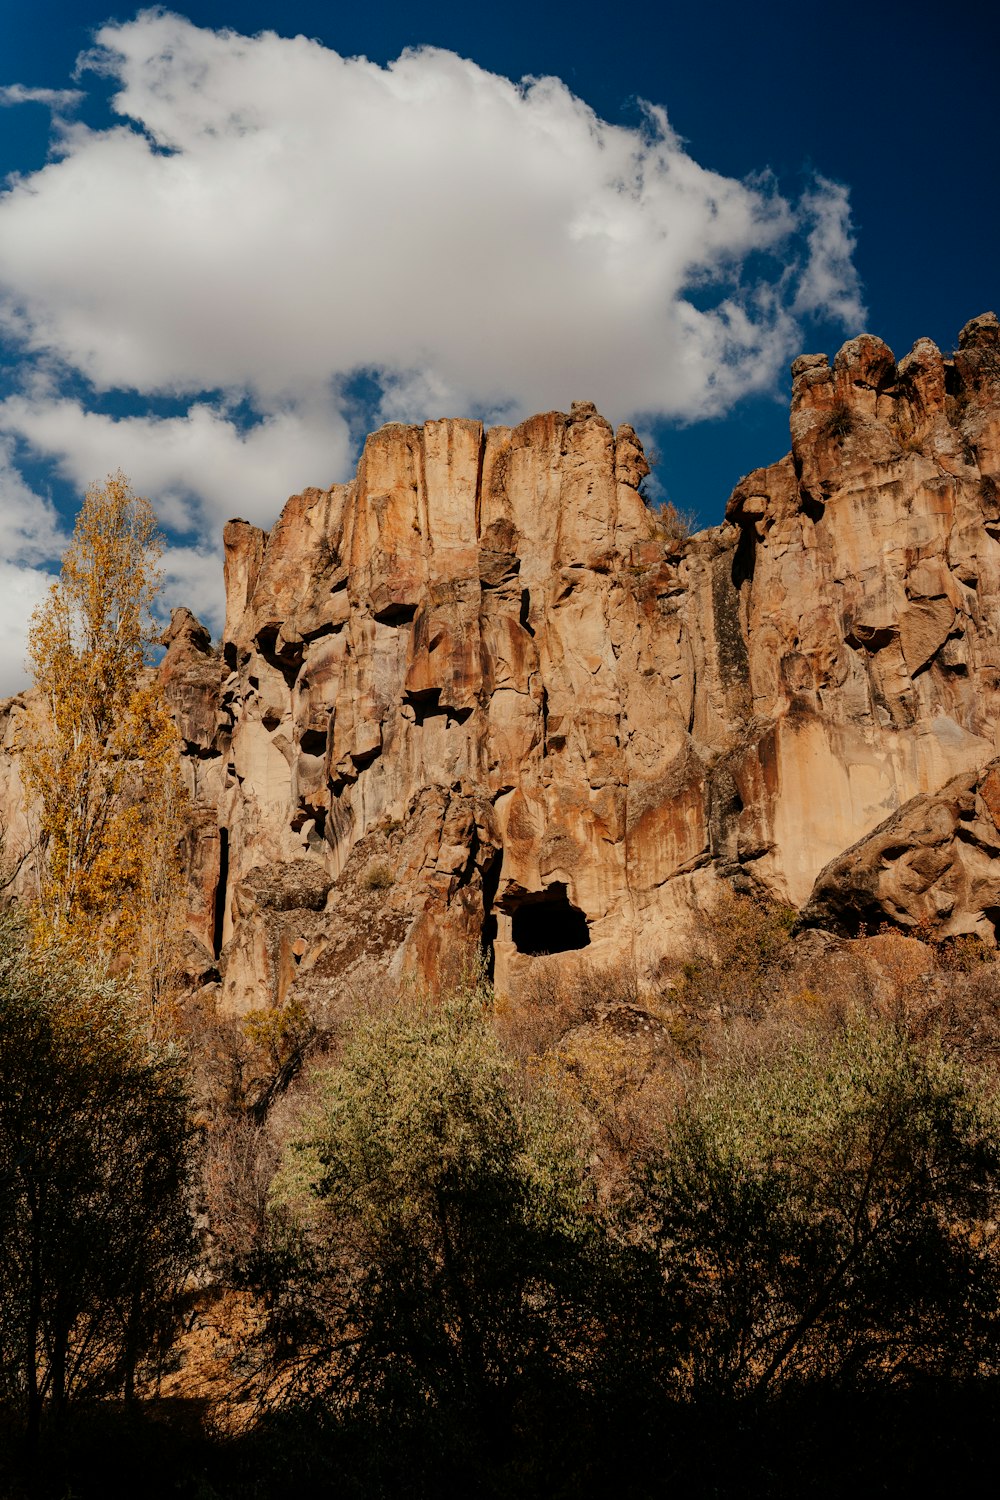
(481, 694)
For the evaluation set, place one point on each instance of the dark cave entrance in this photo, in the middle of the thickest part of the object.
(549, 923)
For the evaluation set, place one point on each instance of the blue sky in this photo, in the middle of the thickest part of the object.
(224, 255)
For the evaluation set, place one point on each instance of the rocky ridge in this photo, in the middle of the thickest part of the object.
(479, 695)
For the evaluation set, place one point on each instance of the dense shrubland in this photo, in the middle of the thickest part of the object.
(618, 1225)
(713, 1226)
(612, 1227)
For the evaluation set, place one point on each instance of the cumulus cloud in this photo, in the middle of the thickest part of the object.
(30, 532)
(195, 573)
(21, 589)
(54, 99)
(830, 283)
(30, 529)
(265, 219)
(201, 467)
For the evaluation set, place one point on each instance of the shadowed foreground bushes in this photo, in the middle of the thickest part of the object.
(95, 1188)
(455, 1301)
(790, 1286)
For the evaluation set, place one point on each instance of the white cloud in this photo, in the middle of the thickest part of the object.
(200, 468)
(194, 573)
(269, 218)
(30, 534)
(830, 283)
(30, 530)
(285, 215)
(21, 589)
(54, 99)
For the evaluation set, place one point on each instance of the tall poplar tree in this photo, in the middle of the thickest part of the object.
(101, 752)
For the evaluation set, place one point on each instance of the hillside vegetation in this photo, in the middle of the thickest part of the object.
(701, 1224)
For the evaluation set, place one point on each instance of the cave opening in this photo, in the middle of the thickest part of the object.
(549, 923)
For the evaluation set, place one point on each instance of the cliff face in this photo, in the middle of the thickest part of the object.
(478, 695)
(480, 671)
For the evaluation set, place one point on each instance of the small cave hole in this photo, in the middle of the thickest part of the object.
(396, 614)
(744, 558)
(287, 661)
(425, 703)
(549, 923)
(313, 742)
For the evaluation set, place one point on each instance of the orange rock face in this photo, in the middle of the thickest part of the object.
(483, 665)
(478, 696)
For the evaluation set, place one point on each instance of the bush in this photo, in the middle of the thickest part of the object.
(828, 1215)
(840, 421)
(735, 960)
(378, 875)
(442, 1221)
(96, 1166)
(674, 525)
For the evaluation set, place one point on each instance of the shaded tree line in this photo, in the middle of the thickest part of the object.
(456, 1299)
(96, 1183)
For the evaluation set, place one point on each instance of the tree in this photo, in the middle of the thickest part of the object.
(447, 1224)
(101, 751)
(96, 1174)
(828, 1215)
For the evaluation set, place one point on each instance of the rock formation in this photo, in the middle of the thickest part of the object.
(479, 694)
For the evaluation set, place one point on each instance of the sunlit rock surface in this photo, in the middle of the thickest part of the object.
(479, 696)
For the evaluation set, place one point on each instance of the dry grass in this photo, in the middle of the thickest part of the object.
(378, 875)
(672, 524)
(840, 421)
(736, 962)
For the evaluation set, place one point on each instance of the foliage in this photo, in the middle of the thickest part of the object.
(278, 1038)
(447, 1218)
(739, 949)
(95, 1165)
(378, 875)
(673, 525)
(827, 1216)
(101, 751)
(840, 421)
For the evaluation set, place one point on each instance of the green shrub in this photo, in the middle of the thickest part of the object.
(437, 1216)
(828, 1215)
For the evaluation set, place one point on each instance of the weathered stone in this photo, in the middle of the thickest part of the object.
(483, 645)
(934, 866)
(483, 666)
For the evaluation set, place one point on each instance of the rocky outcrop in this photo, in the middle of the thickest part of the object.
(870, 598)
(481, 695)
(933, 867)
(482, 664)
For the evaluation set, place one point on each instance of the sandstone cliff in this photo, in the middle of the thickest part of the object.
(477, 694)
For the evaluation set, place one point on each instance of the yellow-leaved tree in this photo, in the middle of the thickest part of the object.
(101, 752)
